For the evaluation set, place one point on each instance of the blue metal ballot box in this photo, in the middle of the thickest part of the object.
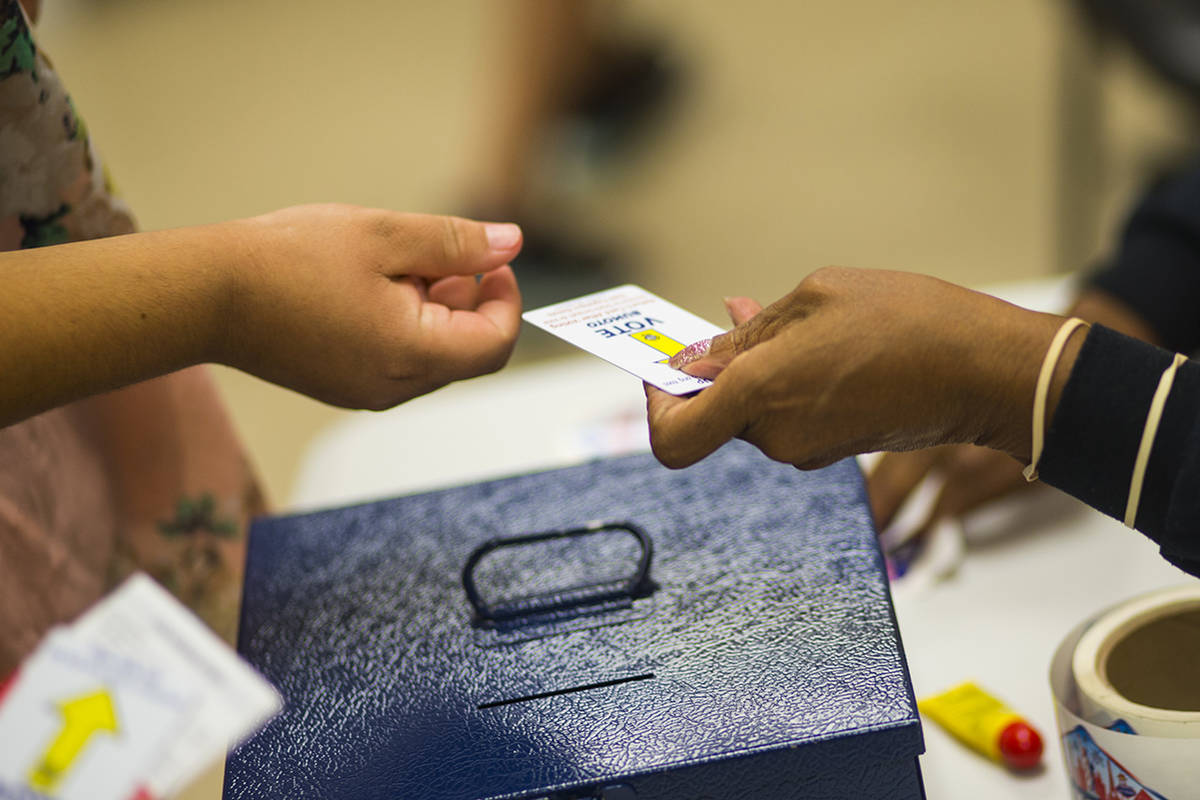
(614, 630)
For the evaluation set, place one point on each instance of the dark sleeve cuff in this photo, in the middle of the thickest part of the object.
(1094, 437)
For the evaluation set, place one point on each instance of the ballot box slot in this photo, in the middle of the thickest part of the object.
(587, 687)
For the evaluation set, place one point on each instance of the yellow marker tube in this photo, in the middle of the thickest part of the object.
(986, 725)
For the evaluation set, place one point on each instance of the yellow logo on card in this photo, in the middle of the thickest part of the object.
(660, 342)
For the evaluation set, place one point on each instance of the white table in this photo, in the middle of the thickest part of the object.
(1035, 567)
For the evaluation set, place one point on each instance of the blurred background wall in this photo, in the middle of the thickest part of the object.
(978, 142)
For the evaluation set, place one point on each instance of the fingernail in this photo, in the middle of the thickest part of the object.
(693, 352)
(502, 235)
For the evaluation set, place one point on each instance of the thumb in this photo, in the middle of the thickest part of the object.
(439, 246)
(707, 358)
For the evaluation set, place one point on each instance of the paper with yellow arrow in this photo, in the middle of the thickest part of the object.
(132, 700)
(89, 722)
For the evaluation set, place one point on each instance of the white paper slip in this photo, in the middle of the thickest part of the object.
(83, 723)
(143, 621)
(133, 700)
(631, 328)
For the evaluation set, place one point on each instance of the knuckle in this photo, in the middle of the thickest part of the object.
(821, 283)
(829, 275)
(743, 337)
(453, 238)
(383, 225)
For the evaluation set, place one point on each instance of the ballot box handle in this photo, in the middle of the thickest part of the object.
(638, 584)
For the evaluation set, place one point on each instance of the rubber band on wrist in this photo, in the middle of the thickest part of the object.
(1153, 417)
(1053, 354)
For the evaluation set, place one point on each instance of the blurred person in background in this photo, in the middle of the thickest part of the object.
(570, 74)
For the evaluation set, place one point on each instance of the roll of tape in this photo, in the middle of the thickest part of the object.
(1138, 665)
(1127, 695)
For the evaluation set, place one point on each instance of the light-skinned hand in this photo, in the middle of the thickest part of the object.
(368, 308)
(359, 307)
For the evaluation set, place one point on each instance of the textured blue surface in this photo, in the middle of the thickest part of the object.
(776, 663)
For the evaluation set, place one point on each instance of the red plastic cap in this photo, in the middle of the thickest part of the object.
(1020, 746)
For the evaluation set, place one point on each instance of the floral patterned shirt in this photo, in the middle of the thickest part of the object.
(149, 477)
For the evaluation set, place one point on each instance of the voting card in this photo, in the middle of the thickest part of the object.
(631, 328)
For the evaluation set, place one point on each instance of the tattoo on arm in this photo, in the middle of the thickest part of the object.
(206, 569)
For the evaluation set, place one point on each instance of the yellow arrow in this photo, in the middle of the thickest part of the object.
(83, 716)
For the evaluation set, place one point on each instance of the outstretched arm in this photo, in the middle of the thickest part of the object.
(357, 307)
